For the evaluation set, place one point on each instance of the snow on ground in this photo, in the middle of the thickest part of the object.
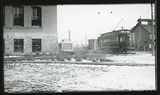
(11, 56)
(138, 58)
(26, 77)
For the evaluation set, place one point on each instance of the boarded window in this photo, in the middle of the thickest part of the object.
(18, 45)
(36, 45)
(18, 16)
(36, 16)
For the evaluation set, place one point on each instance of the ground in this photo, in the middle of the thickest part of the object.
(26, 77)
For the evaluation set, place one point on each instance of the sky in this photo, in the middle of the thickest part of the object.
(89, 21)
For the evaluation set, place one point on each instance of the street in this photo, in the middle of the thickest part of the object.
(73, 77)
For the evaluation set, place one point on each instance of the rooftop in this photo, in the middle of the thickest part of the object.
(147, 26)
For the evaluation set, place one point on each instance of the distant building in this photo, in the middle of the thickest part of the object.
(143, 35)
(30, 29)
(92, 44)
(66, 46)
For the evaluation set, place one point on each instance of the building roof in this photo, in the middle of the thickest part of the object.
(92, 39)
(123, 30)
(140, 20)
(106, 34)
(113, 32)
(147, 27)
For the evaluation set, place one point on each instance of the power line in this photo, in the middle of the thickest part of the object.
(118, 23)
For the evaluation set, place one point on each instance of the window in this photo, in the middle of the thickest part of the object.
(18, 45)
(36, 45)
(19, 16)
(36, 17)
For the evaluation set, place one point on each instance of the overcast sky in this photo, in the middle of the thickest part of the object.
(89, 21)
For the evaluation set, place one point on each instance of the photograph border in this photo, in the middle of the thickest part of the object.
(78, 2)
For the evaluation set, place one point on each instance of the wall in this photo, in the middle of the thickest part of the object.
(140, 37)
(47, 33)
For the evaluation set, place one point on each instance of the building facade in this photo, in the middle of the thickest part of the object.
(143, 35)
(30, 30)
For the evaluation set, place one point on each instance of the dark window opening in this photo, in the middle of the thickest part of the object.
(36, 45)
(36, 17)
(19, 16)
(18, 45)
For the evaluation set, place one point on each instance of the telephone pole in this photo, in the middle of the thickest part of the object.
(153, 32)
(69, 35)
(86, 39)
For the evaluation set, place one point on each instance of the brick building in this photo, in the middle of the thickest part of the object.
(30, 29)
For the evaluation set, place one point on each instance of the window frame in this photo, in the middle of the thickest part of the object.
(18, 16)
(36, 16)
(19, 45)
(36, 47)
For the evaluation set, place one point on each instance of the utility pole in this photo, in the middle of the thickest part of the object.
(118, 24)
(85, 38)
(153, 34)
(69, 35)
